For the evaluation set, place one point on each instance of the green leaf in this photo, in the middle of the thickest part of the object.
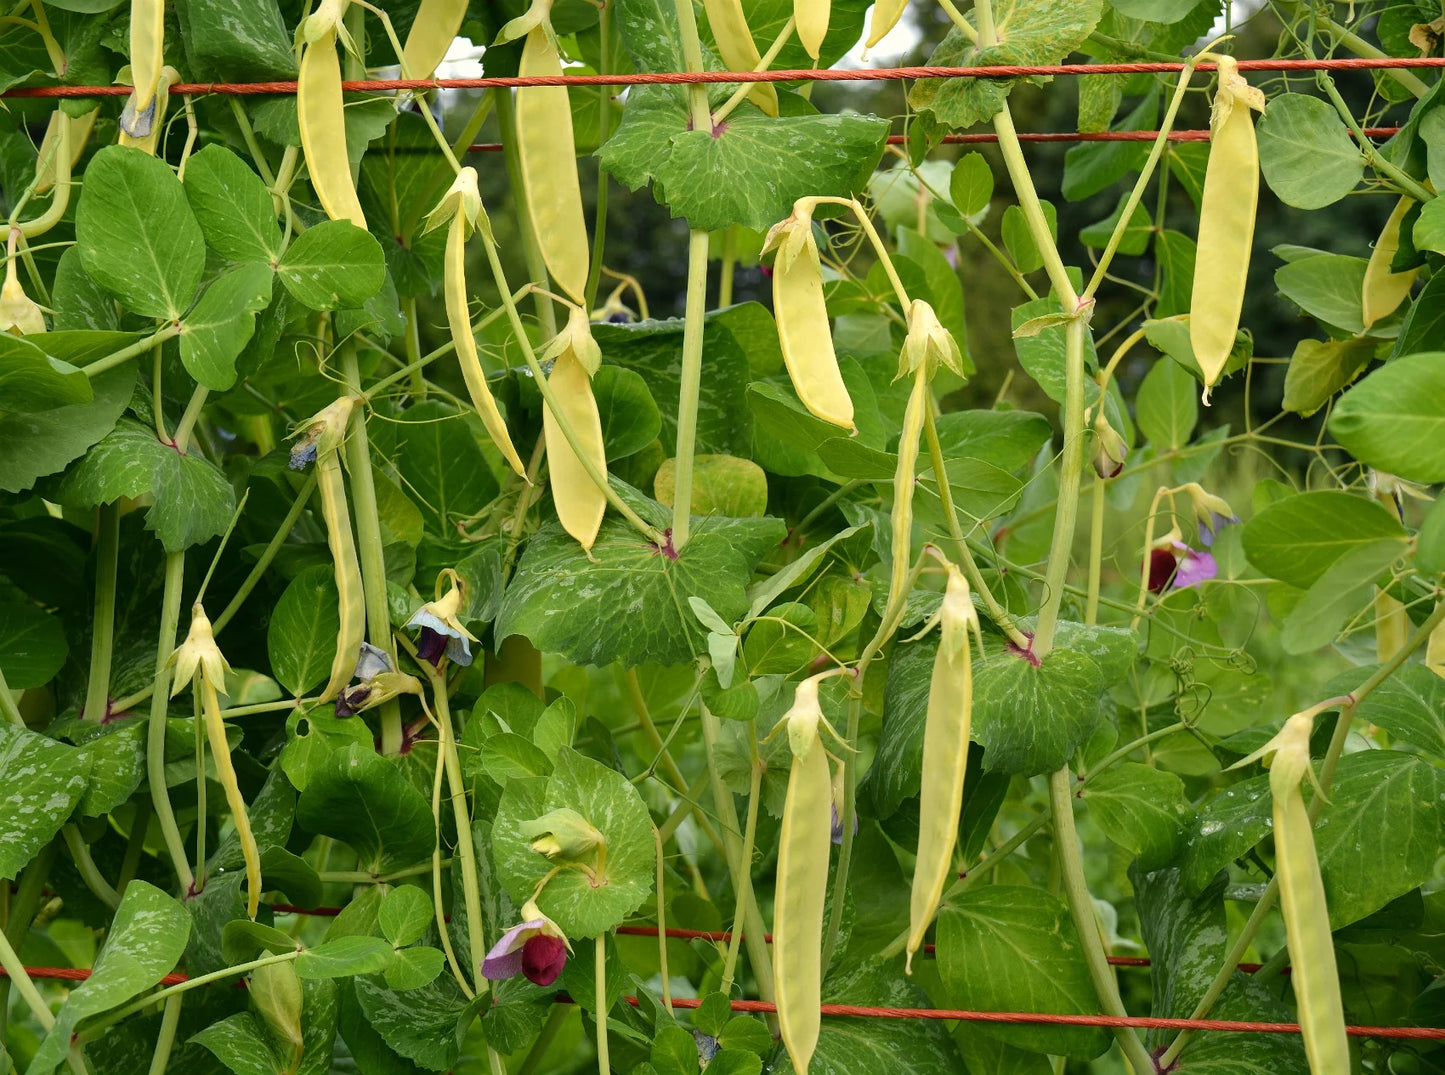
(1141, 809)
(1327, 287)
(1306, 153)
(144, 943)
(1320, 368)
(1425, 319)
(236, 41)
(361, 798)
(32, 644)
(630, 418)
(1018, 238)
(1030, 32)
(440, 462)
(1029, 717)
(1339, 595)
(971, 185)
(80, 303)
(415, 967)
(345, 957)
(1165, 11)
(243, 940)
(136, 233)
(1429, 230)
(1296, 539)
(1008, 948)
(117, 765)
(1395, 418)
(1175, 253)
(1170, 336)
(231, 202)
(749, 170)
(1134, 239)
(333, 266)
(580, 905)
(404, 915)
(1007, 439)
(1430, 541)
(1168, 407)
(301, 634)
(218, 329)
(426, 1025)
(784, 647)
(1092, 167)
(241, 1043)
(1410, 705)
(30, 380)
(44, 780)
(1042, 355)
(721, 485)
(628, 602)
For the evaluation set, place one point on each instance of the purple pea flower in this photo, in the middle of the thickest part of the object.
(534, 948)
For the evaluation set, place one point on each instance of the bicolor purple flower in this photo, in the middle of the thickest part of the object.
(534, 948)
(1173, 565)
(442, 633)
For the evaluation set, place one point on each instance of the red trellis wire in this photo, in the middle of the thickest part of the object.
(858, 1011)
(872, 74)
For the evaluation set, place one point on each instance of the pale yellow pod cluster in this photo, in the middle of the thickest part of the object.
(804, 333)
(945, 757)
(1226, 222)
(737, 48)
(432, 33)
(811, 18)
(147, 44)
(320, 113)
(199, 662)
(1314, 975)
(1383, 290)
(802, 887)
(464, 204)
(327, 431)
(48, 165)
(904, 474)
(580, 503)
(549, 166)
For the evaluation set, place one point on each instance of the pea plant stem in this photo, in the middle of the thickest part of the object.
(604, 121)
(604, 1065)
(156, 729)
(368, 543)
(267, 555)
(85, 866)
(102, 639)
(1071, 468)
(166, 1037)
(1081, 905)
(746, 897)
(690, 391)
(125, 354)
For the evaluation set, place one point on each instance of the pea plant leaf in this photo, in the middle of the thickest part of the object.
(31, 380)
(582, 905)
(748, 170)
(1141, 809)
(1410, 705)
(44, 780)
(301, 636)
(1394, 419)
(217, 330)
(34, 445)
(359, 797)
(1296, 540)
(333, 266)
(232, 205)
(566, 603)
(1306, 153)
(1030, 32)
(137, 235)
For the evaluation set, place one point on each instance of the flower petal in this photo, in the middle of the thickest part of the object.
(543, 958)
(1194, 567)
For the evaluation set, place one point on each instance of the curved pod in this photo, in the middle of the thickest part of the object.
(1383, 290)
(580, 504)
(805, 335)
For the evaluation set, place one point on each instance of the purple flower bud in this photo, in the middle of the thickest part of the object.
(543, 957)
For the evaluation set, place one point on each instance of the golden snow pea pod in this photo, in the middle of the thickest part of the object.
(320, 115)
(1383, 290)
(736, 46)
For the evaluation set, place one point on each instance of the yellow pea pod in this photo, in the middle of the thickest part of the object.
(945, 758)
(580, 504)
(549, 167)
(886, 14)
(1226, 223)
(802, 886)
(226, 774)
(811, 17)
(20, 315)
(1435, 651)
(320, 113)
(142, 127)
(48, 167)
(903, 481)
(459, 321)
(147, 43)
(1392, 626)
(1314, 974)
(737, 48)
(804, 333)
(1383, 290)
(431, 34)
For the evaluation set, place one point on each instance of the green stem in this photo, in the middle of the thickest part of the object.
(198, 725)
(1373, 156)
(745, 897)
(466, 852)
(1081, 905)
(192, 414)
(729, 267)
(156, 732)
(15, 971)
(1360, 47)
(1129, 748)
(99, 1027)
(135, 844)
(604, 118)
(258, 158)
(604, 1064)
(24, 903)
(268, 554)
(369, 545)
(688, 395)
(536, 267)
(85, 866)
(533, 1060)
(1096, 551)
(995, 611)
(125, 354)
(59, 196)
(755, 931)
(1071, 467)
(558, 412)
(7, 704)
(166, 1039)
(660, 885)
(103, 624)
